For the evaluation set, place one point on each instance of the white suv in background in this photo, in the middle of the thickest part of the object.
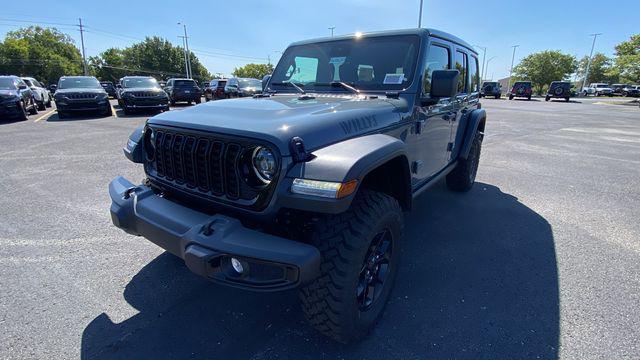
(40, 93)
(597, 89)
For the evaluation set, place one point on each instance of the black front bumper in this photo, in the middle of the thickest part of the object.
(142, 104)
(83, 105)
(208, 242)
(10, 109)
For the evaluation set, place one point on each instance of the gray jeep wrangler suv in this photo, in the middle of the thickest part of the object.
(304, 185)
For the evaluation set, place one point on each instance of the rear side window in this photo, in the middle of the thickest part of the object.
(437, 59)
(461, 65)
(184, 83)
(474, 78)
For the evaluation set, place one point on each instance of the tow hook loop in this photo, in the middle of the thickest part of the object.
(127, 193)
(207, 229)
(298, 152)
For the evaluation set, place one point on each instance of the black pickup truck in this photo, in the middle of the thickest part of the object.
(304, 185)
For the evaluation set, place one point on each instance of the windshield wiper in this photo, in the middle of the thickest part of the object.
(342, 84)
(297, 87)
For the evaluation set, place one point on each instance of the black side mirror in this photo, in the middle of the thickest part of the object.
(265, 81)
(22, 86)
(119, 86)
(444, 83)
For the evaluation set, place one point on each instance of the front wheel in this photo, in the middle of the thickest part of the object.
(198, 100)
(23, 115)
(463, 175)
(360, 251)
(34, 108)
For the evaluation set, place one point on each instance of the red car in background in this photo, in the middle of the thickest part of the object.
(521, 89)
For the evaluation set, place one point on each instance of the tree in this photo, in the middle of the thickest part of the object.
(44, 53)
(256, 71)
(627, 61)
(544, 67)
(599, 71)
(154, 56)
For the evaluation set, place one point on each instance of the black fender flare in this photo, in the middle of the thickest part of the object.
(133, 148)
(352, 159)
(469, 124)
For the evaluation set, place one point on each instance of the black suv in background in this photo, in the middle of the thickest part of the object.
(81, 93)
(241, 87)
(491, 88)
(16, 98)
(559, 90)
(521, 89)
(216, 90)
(183, 90)
(141, 93)
(109, 88)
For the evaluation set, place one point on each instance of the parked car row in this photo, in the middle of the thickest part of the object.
(232, 88)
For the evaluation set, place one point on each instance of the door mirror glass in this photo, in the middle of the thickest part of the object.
(22, 86)
(265, 81)
(444, 83)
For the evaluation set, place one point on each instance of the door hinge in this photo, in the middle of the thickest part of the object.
(450, 146)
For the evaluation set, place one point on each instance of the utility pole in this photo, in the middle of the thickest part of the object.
(486, 69)
(184, 54)
(513, 57)
(186, 49)
(269, 59)
(593, 45)
(420, 16)
(84, 58)
(332, 28)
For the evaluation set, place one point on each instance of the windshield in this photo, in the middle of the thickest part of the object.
(28, 82)
(7, 84)
(79, 83)
(376, 63)
(140, 83)
(490, 84)
(184, 83)
(602, 85)
(245, 83)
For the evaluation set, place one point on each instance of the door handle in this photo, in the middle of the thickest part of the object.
(450, 116)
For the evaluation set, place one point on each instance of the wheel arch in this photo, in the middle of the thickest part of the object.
(475, 121)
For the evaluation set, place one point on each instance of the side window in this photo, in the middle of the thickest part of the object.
(437, 59)
(474, 79)
(461, 65)
(303, 70)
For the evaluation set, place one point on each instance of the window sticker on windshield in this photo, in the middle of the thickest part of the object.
(337, 60)
(395, 79)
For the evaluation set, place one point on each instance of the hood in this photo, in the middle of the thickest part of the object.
(8, 93)
(323, 120)
(81, 90)
(142, 89)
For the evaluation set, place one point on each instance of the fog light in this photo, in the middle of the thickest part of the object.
(237, 265)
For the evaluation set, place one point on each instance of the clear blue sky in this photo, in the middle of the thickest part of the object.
(253, 30)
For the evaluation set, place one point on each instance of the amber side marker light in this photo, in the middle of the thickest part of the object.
(326, 189)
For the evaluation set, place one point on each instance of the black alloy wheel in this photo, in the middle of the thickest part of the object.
(375, 270)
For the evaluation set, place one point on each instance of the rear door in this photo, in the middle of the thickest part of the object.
(468, 95)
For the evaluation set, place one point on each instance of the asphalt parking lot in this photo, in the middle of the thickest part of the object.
(540, 260)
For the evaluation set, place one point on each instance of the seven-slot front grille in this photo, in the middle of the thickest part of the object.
(81, 96)
(145, 94)
(205, 163)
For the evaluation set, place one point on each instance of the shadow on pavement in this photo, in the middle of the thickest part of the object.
(78, 116)
(478, 280)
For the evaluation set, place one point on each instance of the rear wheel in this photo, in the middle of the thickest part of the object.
(198, 101)
(49, 102)
(41, 105)
(463, 176)
(547, 98)
(497, 96)
(34, 108)
(360, 251)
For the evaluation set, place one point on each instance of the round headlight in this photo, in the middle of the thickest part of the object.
(264, 164)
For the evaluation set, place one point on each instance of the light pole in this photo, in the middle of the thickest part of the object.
(513, 57)
(420, 16)
(484, 56)
(593, 45)
(486, 69)
(186, 49)
(331, 28)
(184, 55)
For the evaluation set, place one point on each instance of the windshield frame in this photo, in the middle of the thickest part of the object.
(145, 86)
(11, 81)
(63, 79)
(321, 87)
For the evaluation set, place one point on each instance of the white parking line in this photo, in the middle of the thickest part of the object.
(45, 115)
